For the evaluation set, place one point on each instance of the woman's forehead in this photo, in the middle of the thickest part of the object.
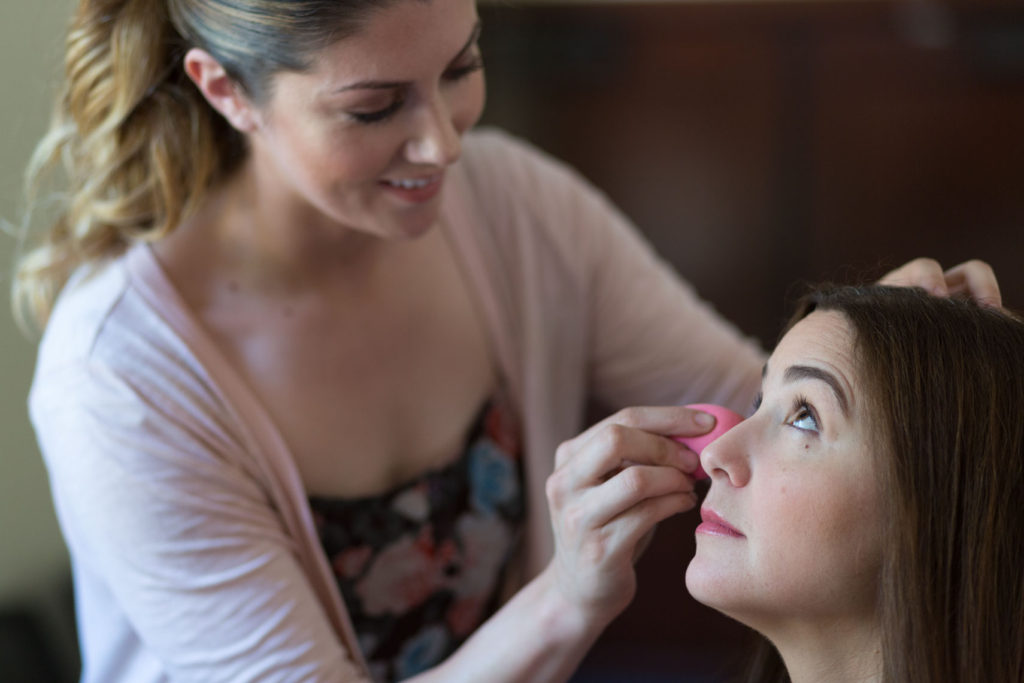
(826, 333)
(823, 340)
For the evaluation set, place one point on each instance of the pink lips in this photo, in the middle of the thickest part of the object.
(715, 525)
(419, 193)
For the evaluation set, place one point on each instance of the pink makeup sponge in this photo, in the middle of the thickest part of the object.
(725, 420)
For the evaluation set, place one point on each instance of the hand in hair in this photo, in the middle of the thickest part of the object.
(974, 279)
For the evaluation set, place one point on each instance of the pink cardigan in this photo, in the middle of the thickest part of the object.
(194, 552)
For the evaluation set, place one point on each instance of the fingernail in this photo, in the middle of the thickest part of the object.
(704, 420)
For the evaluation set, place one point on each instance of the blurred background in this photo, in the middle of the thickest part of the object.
(37, 640)
(758, 145)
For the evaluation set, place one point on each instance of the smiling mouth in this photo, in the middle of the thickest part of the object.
(412, 183)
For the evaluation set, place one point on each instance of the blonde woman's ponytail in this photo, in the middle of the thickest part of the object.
(138, 144)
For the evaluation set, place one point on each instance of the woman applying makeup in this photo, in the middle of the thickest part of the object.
(310, 393)
(865, 519)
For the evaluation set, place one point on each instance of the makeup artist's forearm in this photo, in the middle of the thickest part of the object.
(536, 637)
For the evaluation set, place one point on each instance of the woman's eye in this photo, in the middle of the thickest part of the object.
(378, 115)
(804, 418)
(458, 72)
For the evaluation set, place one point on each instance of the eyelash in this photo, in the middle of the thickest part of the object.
(380, 114)
(800, 405)
(452, 75)
(460, 72)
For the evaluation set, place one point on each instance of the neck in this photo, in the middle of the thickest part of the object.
(242, 241)
(269, 227)
(262, 240)
(838, 652)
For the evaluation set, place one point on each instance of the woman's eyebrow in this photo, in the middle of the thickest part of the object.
(798, 372)
(390, 85)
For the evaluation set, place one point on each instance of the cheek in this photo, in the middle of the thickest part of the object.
(813, 542)
(339, 162)
(469, 103)
(821, 537)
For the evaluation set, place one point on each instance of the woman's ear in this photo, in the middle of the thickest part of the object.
(220, 90)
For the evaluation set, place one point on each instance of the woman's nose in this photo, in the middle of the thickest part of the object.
(727, 458)
(436, 141)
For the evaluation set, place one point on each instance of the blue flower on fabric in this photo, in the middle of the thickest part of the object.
(492, 477)
(423, 651)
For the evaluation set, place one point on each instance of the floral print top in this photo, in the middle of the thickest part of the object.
(421, 567)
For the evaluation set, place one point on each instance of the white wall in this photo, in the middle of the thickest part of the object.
(32, 554)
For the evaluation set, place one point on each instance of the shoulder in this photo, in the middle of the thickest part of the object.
(107, 360)
(101, 319)
(487, 145)
(81, 314)
(502, 164)
(530, 201)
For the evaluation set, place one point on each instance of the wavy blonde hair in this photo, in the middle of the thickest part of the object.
(139, 145)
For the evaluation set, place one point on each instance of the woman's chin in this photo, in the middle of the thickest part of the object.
(715, 587)
(702, 583)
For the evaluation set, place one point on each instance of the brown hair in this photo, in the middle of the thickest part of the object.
(947, 383)
(139, 144)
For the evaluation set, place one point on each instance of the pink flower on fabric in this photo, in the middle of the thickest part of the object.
(349, 563)
(445, 553)
(502, 428)
(485, 541)
(442, 554)
(464, 615)
(413, 503)
(401, 577)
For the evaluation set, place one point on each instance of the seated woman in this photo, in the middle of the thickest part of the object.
(866, 519)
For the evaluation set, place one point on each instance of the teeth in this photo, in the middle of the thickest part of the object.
(410, 184)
